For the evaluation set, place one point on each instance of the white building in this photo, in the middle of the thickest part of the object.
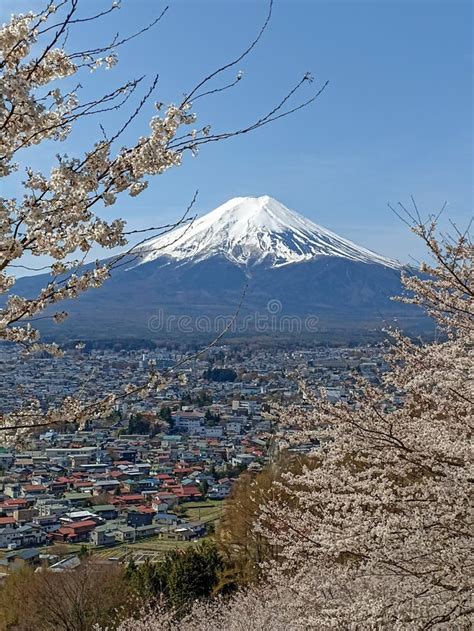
(188, 422)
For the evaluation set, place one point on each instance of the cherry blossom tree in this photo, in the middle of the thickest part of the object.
(381, 534)
(58, 215)
(377, 532)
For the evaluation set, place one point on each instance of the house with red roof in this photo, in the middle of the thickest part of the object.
(33, 489)
(74, 532)
(130, 499)
(8, 507)
(188, 493)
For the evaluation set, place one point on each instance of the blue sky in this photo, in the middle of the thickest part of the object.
(395, 120)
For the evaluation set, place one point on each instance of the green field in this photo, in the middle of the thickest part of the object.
(152, 548)
(207, 511)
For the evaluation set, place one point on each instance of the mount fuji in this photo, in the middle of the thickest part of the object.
(253, 252)
(256, 230)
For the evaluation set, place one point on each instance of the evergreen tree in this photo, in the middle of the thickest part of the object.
(165, 414)
(183, 576)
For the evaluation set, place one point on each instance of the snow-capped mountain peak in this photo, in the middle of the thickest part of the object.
(252, 230)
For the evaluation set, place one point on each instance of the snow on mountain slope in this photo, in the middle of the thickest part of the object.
(251, 230)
